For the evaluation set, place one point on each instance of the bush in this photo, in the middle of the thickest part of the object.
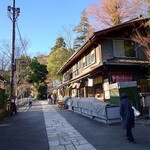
(3, 100)
(42, 90)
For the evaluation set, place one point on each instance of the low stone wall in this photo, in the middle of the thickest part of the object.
(21, 102)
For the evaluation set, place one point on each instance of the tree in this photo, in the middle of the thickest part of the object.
(5, 55)
(38, 72)
(68, 35)
(20, 56)
(42, 59)
(21, 47)
(58, 56)
(22, 69)
(59, 43)
(141, 35)
(42, 90)
(36, 78)
(82, 30)
(110, 13)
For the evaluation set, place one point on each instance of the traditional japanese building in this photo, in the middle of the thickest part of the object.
(109, 56)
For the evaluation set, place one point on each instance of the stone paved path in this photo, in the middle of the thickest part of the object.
(61, 135)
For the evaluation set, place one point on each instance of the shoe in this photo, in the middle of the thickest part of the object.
(127, 135)
(131, 140)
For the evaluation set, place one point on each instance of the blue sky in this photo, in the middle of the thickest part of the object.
(41, 20)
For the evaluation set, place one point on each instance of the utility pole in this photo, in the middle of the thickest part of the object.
(13, 13)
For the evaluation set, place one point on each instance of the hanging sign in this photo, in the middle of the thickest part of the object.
(90, 82)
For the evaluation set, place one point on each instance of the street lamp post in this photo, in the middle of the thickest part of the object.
(13, 13)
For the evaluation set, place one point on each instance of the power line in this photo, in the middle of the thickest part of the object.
(20, 37)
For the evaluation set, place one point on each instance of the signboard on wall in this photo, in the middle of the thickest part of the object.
(90, 82)
(106, 88)
(122, 78)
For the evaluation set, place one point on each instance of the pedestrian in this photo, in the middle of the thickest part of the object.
(127, 116)
(52, 98)
(49, 98)
(55, 97)
(30, 101)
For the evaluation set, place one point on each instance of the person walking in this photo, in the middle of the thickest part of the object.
(127, 116)
(30, 101)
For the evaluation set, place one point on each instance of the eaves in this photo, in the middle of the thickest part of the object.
(99, 34)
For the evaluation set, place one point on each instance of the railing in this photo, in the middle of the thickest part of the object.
(21, 102)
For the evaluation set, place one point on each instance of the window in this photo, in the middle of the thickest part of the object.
(89, 59)
(93, 56)
(76, 68)
(78, 65)
(124, 48)
(68, 75)
(84, 61)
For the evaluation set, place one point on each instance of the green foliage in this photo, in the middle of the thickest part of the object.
(3, 98)
(82, 30)
(58, 56)
(59, 43)
(38, 72)
(42, 90)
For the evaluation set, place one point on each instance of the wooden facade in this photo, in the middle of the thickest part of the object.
(109, 56)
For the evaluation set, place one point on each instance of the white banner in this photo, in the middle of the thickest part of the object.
(90, 82)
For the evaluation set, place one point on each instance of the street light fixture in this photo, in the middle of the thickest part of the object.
(13, 13)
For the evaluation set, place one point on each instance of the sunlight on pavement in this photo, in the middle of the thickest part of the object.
(61, 135)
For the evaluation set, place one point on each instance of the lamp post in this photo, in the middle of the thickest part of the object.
(13, 13)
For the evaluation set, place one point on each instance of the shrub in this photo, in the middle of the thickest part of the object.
(3, 100)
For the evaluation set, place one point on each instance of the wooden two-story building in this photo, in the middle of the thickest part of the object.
(109, 56)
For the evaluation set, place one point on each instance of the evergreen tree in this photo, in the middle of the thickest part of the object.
(82, 31)
(58, 56)
(59, 43)
(38, 72)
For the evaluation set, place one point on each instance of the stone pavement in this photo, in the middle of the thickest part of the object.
(61, 135)
(63, 127)
(46, 127)
(143, 121)
(24, 130)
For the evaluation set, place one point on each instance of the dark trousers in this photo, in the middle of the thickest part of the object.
(129, 134)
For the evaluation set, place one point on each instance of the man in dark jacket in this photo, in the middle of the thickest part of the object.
(127, 115)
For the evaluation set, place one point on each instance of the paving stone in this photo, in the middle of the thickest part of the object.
(83, 142)
(65, 142)
(57, 147)
(55, 138)
(75, 143)
(65, 135)
(56, 142)
(84, 147)
(61, 135)
(78, 138)
(70, 147)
